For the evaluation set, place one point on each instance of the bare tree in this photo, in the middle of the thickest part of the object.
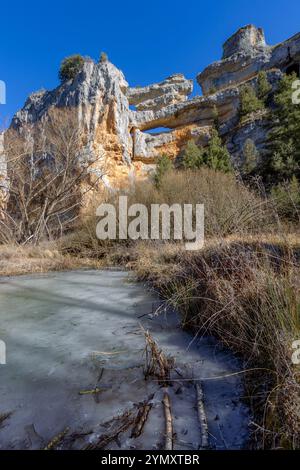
(50, 169)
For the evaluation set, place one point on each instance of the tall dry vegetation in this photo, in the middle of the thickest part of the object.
(47, 167)
(230, 208)
(248, 295)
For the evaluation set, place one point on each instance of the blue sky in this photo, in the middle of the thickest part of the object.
(147, 40)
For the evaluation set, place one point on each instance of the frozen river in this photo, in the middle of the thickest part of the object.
(74, 364)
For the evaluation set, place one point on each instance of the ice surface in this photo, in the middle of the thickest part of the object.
(70, 332)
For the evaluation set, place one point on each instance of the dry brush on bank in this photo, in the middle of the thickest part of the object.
(229, 206)
(248, 295)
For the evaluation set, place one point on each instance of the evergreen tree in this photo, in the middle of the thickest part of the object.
(164, 165)
(193, 156)
(216, 121)
(263, 86)
(284, 163)
(250, 154)
(249, 101)
(284, 138)
(217, 156)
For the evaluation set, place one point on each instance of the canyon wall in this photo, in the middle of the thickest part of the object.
(117, 118)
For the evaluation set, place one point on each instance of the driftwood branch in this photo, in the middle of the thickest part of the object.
(117, 425)
(4, 417)
(169, 424)
(93, 391)
(141, 419)
(57, 439)
(202, 416)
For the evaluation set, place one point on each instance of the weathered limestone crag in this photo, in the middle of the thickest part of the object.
(98, 95)
(246, 40)
(116, 118)
(172, 90)
(245, 54)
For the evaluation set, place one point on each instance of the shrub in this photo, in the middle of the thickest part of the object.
(217, 156)
(263, 86)
(240, 294)
(249, 102)
(164, 165)
(70, 67)
(286, 197)
(229, 206)
(103, 57)
(193, 156)
(250, 154)
(212, 90)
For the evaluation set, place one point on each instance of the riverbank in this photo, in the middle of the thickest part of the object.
(17, 260)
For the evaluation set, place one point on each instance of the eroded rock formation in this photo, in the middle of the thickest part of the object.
(98, 94)
(116, 118)
(172, 90)
(245, 54)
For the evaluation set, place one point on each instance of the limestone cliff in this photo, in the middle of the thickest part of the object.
(116, 117)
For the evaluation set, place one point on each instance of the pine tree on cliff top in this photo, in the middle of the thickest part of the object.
(70, 67)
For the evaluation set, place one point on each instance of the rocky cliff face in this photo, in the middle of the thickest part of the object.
(116, 117)
(173, 90)
(98, 95)
(245, 54)
(247, 40)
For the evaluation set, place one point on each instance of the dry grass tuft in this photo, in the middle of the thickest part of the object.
(16, 260)
(157, 363)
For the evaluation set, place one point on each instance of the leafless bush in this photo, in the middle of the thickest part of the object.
(49, 173)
